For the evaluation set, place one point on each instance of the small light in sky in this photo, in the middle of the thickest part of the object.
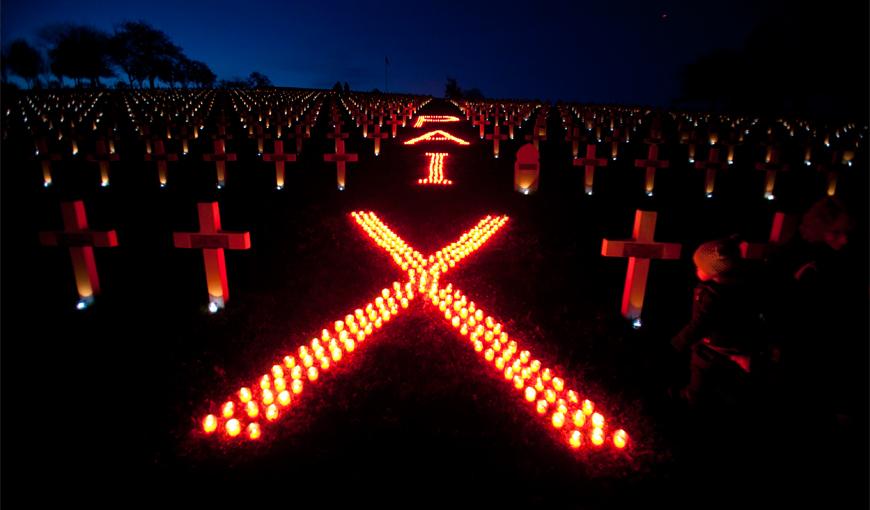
(664, 16)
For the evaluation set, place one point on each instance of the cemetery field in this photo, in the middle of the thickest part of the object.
(108, 402)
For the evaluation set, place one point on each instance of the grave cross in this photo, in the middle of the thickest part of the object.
(496, 136)
(81, 242)
(377, 136)
(161, 157)
(103, 157)
(590, 162)
(771, 166)
(712, 165)
(279, 158)
(639, 250)
(220, 158)
(340, 158)
(481, 121)
(394, 124)
(212, 241)
(651, 164)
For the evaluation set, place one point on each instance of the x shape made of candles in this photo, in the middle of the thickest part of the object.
(574, 419)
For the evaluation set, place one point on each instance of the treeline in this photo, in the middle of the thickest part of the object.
(135, 52)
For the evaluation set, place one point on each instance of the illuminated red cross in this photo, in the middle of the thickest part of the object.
(771, 166)
(161, 157)
(436, 170)
(481, 121)
(639, 250)
(394, 124)
(590, 162)
(220, 158)
(496, 136)
(279, 158)
(212, 241)
(651, 164)
(377, 136)
(81, 242)
(574, 419)
(340, 158)
(103, 157)
(712, 165)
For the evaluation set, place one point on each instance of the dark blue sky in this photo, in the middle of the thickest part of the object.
(604, 51)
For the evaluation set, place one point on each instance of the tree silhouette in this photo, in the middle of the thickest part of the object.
(805, 60)
(452, 90)
(200, 74)
(258, 80)
(25, 61)
(145, 53)
(79, 52)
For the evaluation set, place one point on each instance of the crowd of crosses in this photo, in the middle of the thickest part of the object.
(169, 128)
(166, 127)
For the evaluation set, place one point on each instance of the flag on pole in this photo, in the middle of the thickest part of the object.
(386, 61)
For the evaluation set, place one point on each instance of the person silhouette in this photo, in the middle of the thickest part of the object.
(725, 330)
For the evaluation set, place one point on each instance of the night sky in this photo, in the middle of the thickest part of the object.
(604, 51)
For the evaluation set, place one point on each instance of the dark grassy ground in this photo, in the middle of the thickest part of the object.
(103, 405)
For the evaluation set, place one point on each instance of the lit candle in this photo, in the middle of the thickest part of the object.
(254, 431)
(277, 371)
(620, 438)
(530, 394)
(597, 420)
(579, 418)
(272, 412)
(597, 437)
(227, 410)
(576, 439)
(233, 427)
(244, 395)
(280, 384)
(209, 424)
(268, 397)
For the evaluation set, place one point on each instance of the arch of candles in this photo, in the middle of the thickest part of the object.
(575, 418)
(436, 136)
(422, 119)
